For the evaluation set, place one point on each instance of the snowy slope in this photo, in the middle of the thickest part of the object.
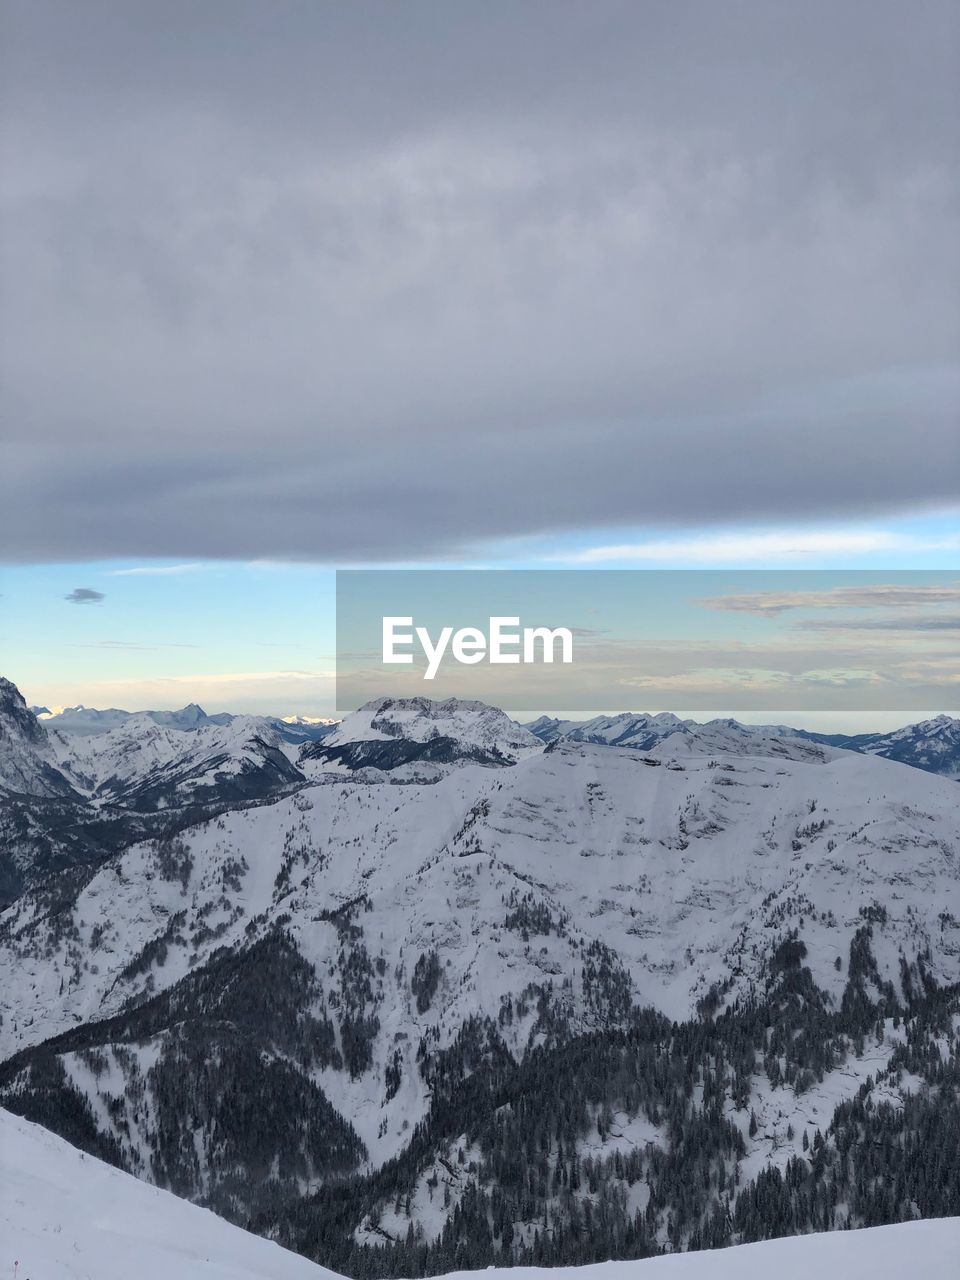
(72, 1217)
(67, 1216)
(879, 1253)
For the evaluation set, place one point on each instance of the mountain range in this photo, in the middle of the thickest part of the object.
(437, 990)
(84, 721)
(932, 744)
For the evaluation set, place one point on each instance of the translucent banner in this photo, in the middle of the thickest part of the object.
(717, 642)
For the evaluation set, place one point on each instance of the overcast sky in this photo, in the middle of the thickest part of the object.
(372, 281)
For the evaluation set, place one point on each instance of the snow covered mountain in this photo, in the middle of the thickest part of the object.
(28, 763)
(73, 799)
(81, 721)
(727, 962)
(544, 899)
(303, 728)
(155, 760)
(84, 721)
(147, 761)
(70, 1216)
(624, 730)
(78, 793)
(43, 827)
(390, 733)
(932, 745)
(145, 765)
(641, 732)
(684, 866)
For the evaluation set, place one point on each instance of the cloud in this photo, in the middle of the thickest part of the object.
(163, 570)
(84, 595)
(520, 276)
(773, 544)
(240, 677)
(734, 682)
(770, 604)
(131, 644)
(931, 623)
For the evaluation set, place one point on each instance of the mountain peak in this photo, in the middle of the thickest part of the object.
(388, 732)
(27, 763)
(192, 716)
(942, 721)
(15, 716)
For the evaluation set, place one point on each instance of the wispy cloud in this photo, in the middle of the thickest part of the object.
(130, 644)
(774, 544)
(926, 622)
(770, 604)
(84, 595)
(240, 677)
(733, 682)
(157, 570)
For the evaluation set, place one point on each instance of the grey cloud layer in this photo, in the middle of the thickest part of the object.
(377, 281)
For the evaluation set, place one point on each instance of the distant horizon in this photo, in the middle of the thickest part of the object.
(816, 722)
